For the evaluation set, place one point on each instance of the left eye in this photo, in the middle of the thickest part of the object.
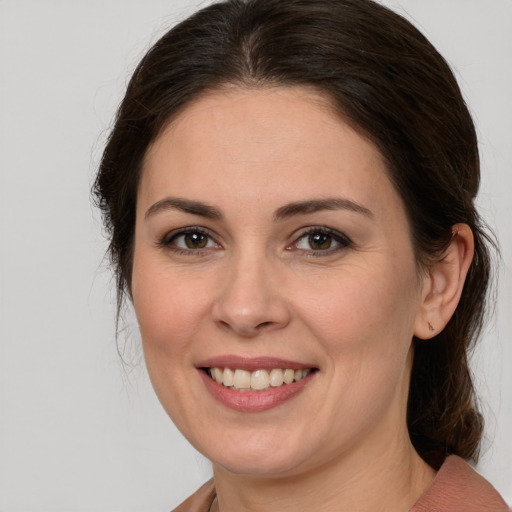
(321, 240)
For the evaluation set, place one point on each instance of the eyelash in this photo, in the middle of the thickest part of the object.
(340, 240)
(169, 238)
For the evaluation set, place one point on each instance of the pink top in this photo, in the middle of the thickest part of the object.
(457, 487)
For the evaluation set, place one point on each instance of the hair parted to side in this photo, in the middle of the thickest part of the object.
(390, 83)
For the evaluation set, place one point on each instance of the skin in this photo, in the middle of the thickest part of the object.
(258, 289)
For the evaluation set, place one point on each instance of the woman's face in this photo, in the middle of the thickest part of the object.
(269, 237)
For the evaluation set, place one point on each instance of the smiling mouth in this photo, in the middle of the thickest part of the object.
(259, 380)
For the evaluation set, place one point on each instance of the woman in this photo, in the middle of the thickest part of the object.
(289, 190)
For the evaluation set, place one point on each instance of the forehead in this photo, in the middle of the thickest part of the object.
(233, 117)
(282, 142)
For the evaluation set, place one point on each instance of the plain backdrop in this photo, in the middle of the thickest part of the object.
(78, 430)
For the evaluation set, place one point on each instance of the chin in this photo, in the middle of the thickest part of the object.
(264, 466)
(258, 456)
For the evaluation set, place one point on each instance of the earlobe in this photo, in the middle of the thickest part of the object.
(444, 283)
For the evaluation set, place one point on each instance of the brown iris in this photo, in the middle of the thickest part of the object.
(195, 240)
(319, 241)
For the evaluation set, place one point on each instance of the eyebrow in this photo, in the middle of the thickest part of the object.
(184, 205)
(289, 210)
(316, 205)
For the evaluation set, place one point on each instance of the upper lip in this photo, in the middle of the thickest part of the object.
(251, 364)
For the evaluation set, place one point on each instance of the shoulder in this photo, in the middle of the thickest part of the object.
(458, 487)
(200, 501)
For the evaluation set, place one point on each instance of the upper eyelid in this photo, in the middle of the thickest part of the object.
(342, 242)
(171, 235)
(321, 229)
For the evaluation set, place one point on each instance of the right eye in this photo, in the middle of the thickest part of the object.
(190, 239)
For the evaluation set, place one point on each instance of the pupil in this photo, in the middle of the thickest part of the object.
(320, 241)
(195, 240)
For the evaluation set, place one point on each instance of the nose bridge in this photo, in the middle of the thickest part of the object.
(250, 299)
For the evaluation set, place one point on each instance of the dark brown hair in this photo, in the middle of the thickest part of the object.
(389, 82)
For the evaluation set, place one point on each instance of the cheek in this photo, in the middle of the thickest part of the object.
(365, 326)
(358, 309)
(365, 321)
(169, 309)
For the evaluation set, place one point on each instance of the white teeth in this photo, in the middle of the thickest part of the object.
(228, 378)
(217, 375)
(288, 376)
(300, 374)
(259, 380)
(276, 377)
(242, 379)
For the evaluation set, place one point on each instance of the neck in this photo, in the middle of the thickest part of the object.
(391, 479)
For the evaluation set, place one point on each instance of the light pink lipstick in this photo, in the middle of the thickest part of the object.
(251, 400)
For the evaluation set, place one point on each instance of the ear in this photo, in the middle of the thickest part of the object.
(443, 284)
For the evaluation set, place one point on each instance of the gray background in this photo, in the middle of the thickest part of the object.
(77, 430)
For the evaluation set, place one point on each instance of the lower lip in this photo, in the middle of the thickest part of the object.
(254, 401)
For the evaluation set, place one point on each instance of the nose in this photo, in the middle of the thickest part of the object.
(252, 298)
